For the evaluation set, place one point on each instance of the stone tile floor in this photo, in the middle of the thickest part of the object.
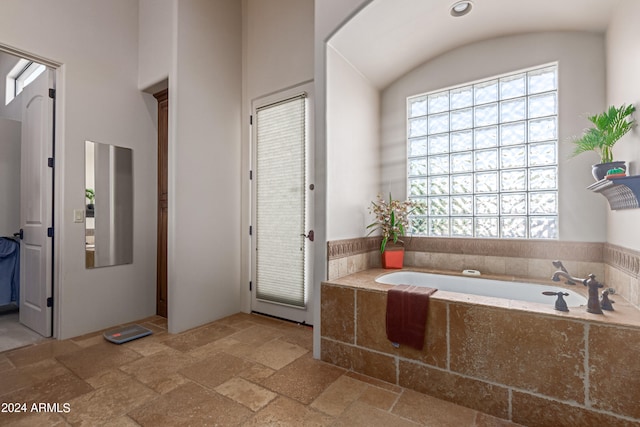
(243, 370)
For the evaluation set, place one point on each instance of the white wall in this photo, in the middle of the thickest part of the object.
(10, 131)
(581, 62)
(277, 54)
(98, 99)
(329, 16)
(204, 163)
(353, 148)
(156, 34)
(623, 87)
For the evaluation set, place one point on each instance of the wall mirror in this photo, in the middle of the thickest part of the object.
(109, 205)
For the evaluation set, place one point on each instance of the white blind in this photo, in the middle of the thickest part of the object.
(280, 206)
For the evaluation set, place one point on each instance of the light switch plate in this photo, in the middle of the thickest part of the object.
(78, 215)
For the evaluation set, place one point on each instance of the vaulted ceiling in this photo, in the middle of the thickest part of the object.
(388, 38)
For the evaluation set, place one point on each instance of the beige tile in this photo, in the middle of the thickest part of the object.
(420, 259)
(123, 421)
(108, 402)
(215, 370)
(106, 378)
(238, 349)
(360, 414)
(256, 373)
(45, 369)
(474, 394)
(534, 346)
(375, 382)
(375, 365)
(228, 345)
(475, 262)
(193, 405)
(277, 354)
(332, 269)
(339, 395)
(31, 419)
(287, 412)
(158, 371)
(300, 335)
(518, 267)
(495, 265)
(148, 345)
(343, 267)
(534, 411)
(258, 334)
(540, 268)
(14, 379)
(238, 321)
(90, 361)
(612, 369)
(41, 351)
(5, 363)
(317, 377)
(427, 410)
(378, 398)
(337, 313)
(198, 337)
(59, 389)
(246, 393)
(89, 341)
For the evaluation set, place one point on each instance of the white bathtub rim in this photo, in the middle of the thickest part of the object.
(473, 285)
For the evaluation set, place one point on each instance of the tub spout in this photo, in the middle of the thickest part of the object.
(593, 305)
(558, 264)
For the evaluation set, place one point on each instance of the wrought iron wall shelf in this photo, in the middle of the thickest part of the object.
(622, 193)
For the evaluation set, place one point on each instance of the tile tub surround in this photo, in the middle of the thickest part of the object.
(616, 266)
(519, 361)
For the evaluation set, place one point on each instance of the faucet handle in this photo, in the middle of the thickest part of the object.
(561, 304)
(605, 302)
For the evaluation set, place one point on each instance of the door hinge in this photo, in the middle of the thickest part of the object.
(52, 93)
(50, 302)
(250, 230)
(50, 232)
(250, 285)
(50, 162)
(251, 119)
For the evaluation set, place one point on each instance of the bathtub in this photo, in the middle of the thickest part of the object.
(486, 287)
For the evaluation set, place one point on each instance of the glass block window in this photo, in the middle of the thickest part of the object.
(482, 158)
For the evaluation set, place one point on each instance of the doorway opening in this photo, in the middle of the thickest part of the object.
(282, 205)
(163, 202)
(27, 117)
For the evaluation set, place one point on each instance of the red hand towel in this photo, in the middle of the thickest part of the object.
(407, 308)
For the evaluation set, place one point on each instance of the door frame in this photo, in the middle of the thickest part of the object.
(57, 189)
(162, 98)
(300, 315)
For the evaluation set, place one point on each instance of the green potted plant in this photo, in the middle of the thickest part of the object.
(609, 127)
(392, 220)
(91, 196)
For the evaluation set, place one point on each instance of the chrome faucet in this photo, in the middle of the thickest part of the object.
(593, 305)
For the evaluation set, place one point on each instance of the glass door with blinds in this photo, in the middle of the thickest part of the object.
(281, 230)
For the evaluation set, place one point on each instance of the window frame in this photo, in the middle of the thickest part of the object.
(21, 75)
(547, 214)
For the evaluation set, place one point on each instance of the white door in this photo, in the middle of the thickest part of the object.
(36, 210)
(282, 236)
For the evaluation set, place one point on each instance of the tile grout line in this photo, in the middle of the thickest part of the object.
(587, 399)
